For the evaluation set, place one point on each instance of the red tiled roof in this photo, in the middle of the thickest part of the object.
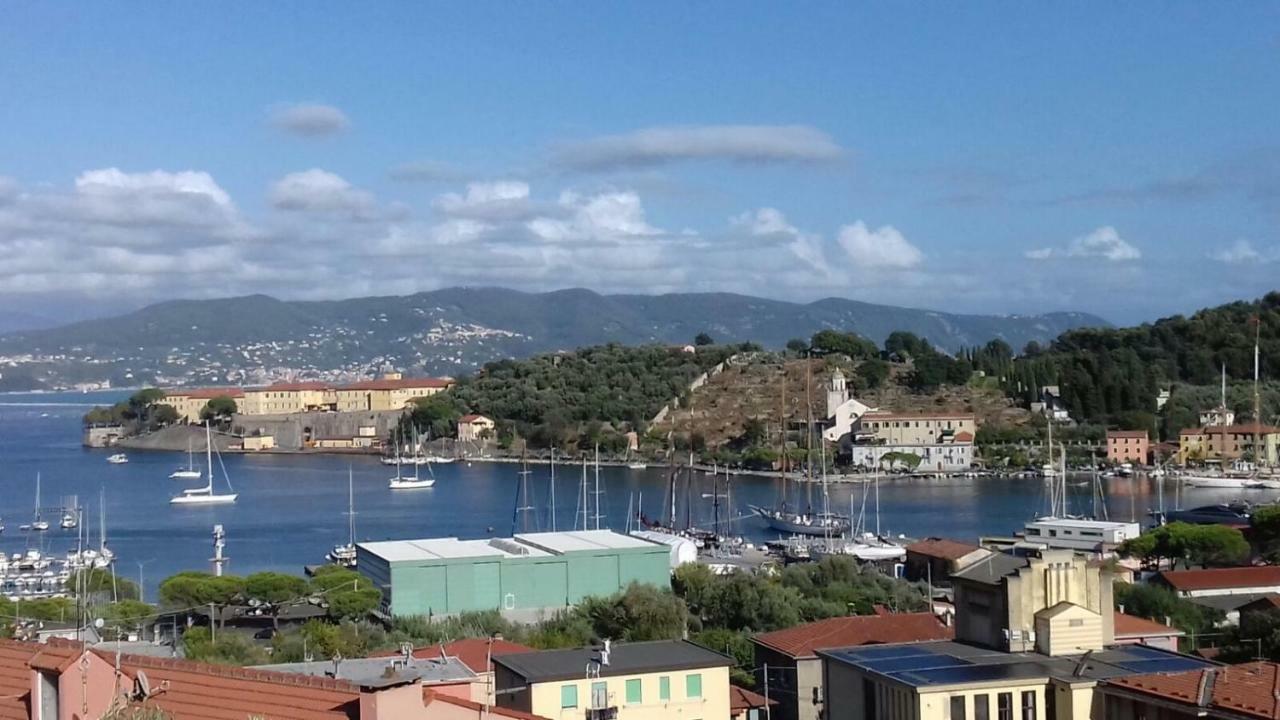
(1132, 626)
(401, 384)
(471, 418)
(964, 436)
(741, 699)
(1214, 578)
(1245, 429)
(473, 652)
(205, 393)
(199, 691)
(801, 641)
(1268, 602)
(941, 548)
(493, 710)
(15, 679)
(1127, 434)
(294, 386)
(1251, 689)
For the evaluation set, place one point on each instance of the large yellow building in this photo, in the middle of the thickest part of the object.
(1227, 443)
(663, 680)
(891, 428)
(386, 393)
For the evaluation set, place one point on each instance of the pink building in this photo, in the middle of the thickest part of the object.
(1127, 446)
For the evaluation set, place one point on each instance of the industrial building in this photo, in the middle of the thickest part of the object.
(520, 576)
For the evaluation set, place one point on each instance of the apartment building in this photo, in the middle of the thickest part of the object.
(1128, 446)
(1227, 443)
(390, 392)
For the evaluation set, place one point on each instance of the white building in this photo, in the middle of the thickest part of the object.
(843, 412)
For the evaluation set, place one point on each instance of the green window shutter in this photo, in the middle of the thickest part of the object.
(633, 692)
(693, 685)
(664, 688)
(568, 696)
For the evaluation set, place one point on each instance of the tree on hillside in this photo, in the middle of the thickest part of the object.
(218, 409)
(436, 415)
(1264, 525)
(703, 339)
(832, 342)
(1202, 545)
(190, 590)
(1157, 603)
(351, 596)
(798, 346)
(639, 613)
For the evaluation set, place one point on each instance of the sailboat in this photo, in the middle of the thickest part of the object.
(204, 495)
(1250, 478)
(399, 482)
(345, 555)
(36, 523)
(69, 521)
(191, 473)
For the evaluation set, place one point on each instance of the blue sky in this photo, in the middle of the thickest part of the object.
(994, 157)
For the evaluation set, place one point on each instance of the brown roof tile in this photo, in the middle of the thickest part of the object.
(1133, 626)
(741, 699)
(15, 679)
(1214, 578)
(493, 710)
(942, 548)
(1251, 689)
(1142, 434)
(801, 641)
(401, 384)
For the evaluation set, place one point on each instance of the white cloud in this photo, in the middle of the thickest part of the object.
(310, 119)
(771, 223)
(884, 247)
(659, 145)
(425, 171)
(1103, 243)
(1238, 253)
(492, 201)
(321, 191)
(610, 216)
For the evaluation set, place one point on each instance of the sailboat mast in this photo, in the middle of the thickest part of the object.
(1257, 399)
(808, 428)
(351, 507)
(597, 486)
(553, 489)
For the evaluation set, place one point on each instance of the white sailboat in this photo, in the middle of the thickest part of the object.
(191, 473)
(345, 555)
(37, 524)
(118, 459)
(204, 495)
(399, 482)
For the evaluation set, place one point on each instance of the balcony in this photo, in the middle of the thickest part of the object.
(602, 713)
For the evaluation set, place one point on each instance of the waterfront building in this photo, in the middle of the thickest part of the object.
(288, 398)
(1227, 443)
(934, 560)
(662, 680)
(795, 671)
(1128, 446)
(1097, 537)
(388, 393)
(521, 576)
(474, 427)
(890, 428)
(188, 402)
(1249, 691)
(1034, 638)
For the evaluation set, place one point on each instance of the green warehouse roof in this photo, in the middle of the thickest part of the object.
(584, 540)
(546, 544)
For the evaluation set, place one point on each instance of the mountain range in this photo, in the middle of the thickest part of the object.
(258, 338)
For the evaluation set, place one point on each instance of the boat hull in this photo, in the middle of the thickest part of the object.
(798, 526)
(203, 499)
(410, 484)
(185, 475)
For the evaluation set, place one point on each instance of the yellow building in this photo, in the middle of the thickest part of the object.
(891, 428)
(474, 427)
(663, 680)
(1227, 443)
(1034, 638)
(387, 393)
(253, 443)
(190, 401)
(286, 398)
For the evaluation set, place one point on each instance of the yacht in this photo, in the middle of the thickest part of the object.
(118, 459)
(204, 495)
(69, 521)
(191, 473)
(345, 555)
(399, 482)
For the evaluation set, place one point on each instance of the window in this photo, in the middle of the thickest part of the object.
(981, 707)
(957, 707)
(568, 696)
(633, 691)
(693, 685)
(1075, 622)
(1004, 706)
(664, 688)
(599, 694)
(1028, 705)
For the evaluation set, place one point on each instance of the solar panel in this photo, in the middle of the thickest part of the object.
(916, 662)
(971, 673)
(885, 652)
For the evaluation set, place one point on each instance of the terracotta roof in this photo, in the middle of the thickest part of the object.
(1245, 429)
(401, 384)
(205, 393)
(1131, 626)
(801, 641)
(493, 710)
(886, 415)
(1214, 578)
(1251, 689)
(15, 679)
(294, 386)
(741, 699)
(964, 436)
(199, 691)
(1127, 434)
(1266, 602)
(942, 548)
(473, 652)
(471, 418)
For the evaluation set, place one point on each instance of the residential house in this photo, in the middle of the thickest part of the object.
(1133, 630)
(1249, 691)
(65, 680)
(477, 654)
(1228, 443)
(1050, 404)
(935, 559)
(472, 428)
(747, 705)
(1225, 589)
(1128, 446)
(794, 671)
(662, 680)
